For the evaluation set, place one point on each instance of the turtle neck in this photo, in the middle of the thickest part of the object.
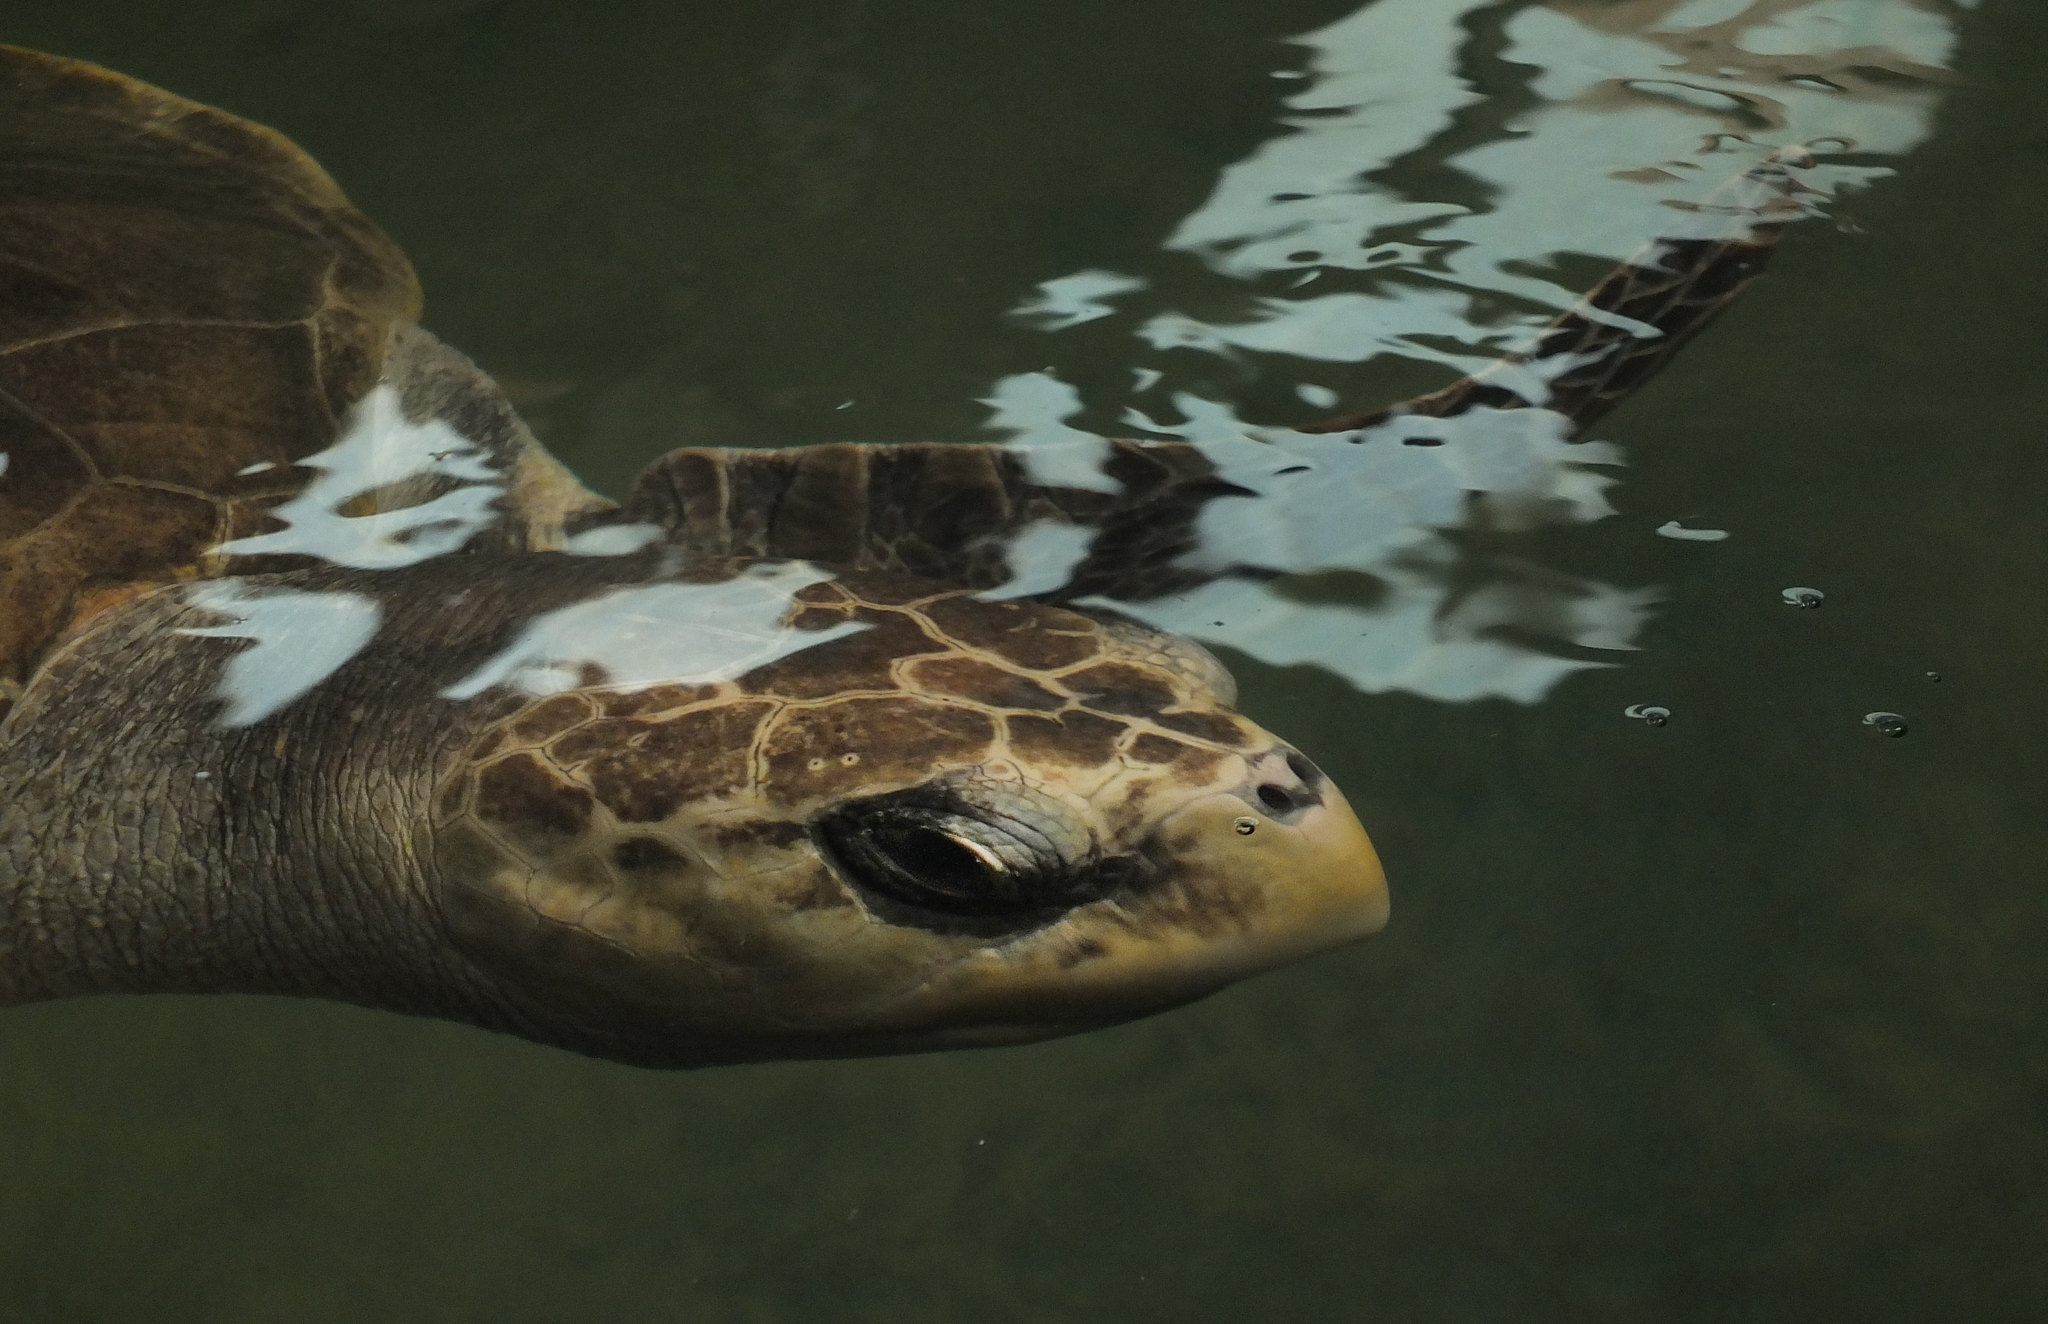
(145, 850)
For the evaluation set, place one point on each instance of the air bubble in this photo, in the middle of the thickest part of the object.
(1651, 713)
(1886, 724)
(1806, 599)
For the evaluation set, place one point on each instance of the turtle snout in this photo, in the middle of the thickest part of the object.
(1284, 785)
(1282, 855)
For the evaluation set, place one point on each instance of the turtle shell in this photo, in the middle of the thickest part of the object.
(188, 307)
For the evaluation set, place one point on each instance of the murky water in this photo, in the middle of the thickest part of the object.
(1736, 1016)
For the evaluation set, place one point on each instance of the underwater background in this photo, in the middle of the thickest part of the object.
(1739, 1017)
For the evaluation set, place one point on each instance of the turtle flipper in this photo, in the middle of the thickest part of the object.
(191, 309)
(1595, 354)
(184, 296)
(957, 513)
(947, 513)
(182, 293)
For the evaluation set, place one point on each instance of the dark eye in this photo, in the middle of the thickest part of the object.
(928, 859)
(941, 870)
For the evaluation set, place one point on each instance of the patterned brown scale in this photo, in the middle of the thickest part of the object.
(973, 678)
(1021, 634)
(1124, 688)
(1188, 760)
(531, 804)
(914, 817)
(865, 661)
(1079, 738)
(655, 698)
(550, 718)
(840, 748)
(696, 755)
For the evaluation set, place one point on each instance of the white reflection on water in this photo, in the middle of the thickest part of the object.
(1842, 25)
(1613, 120)
(1033, 408)
(1400, 213)
(1043, 557)
(655, 634)
(391, 493)
(1071, 300)
(1630, 114)
(612, 540)
(1409, 640)
(298, 640)
(1327, 503)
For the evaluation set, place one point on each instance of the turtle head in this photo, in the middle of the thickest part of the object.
(963, 822)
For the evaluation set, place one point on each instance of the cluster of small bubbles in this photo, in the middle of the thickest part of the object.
(1886, 724)
(1934, 676)
(1806, 599)
(1651, 713)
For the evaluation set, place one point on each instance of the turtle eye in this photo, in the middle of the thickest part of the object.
(928, 860)
(931, 866)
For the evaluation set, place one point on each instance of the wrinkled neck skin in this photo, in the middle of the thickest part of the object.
(145, 846)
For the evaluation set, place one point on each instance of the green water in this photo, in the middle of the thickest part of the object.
(1740, 1019)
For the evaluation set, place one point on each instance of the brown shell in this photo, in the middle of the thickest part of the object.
(188, 305)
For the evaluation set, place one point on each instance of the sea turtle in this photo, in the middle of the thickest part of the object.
(319, 676)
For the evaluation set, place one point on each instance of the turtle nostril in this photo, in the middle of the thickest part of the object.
(1275, 798)
(1302, 768)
